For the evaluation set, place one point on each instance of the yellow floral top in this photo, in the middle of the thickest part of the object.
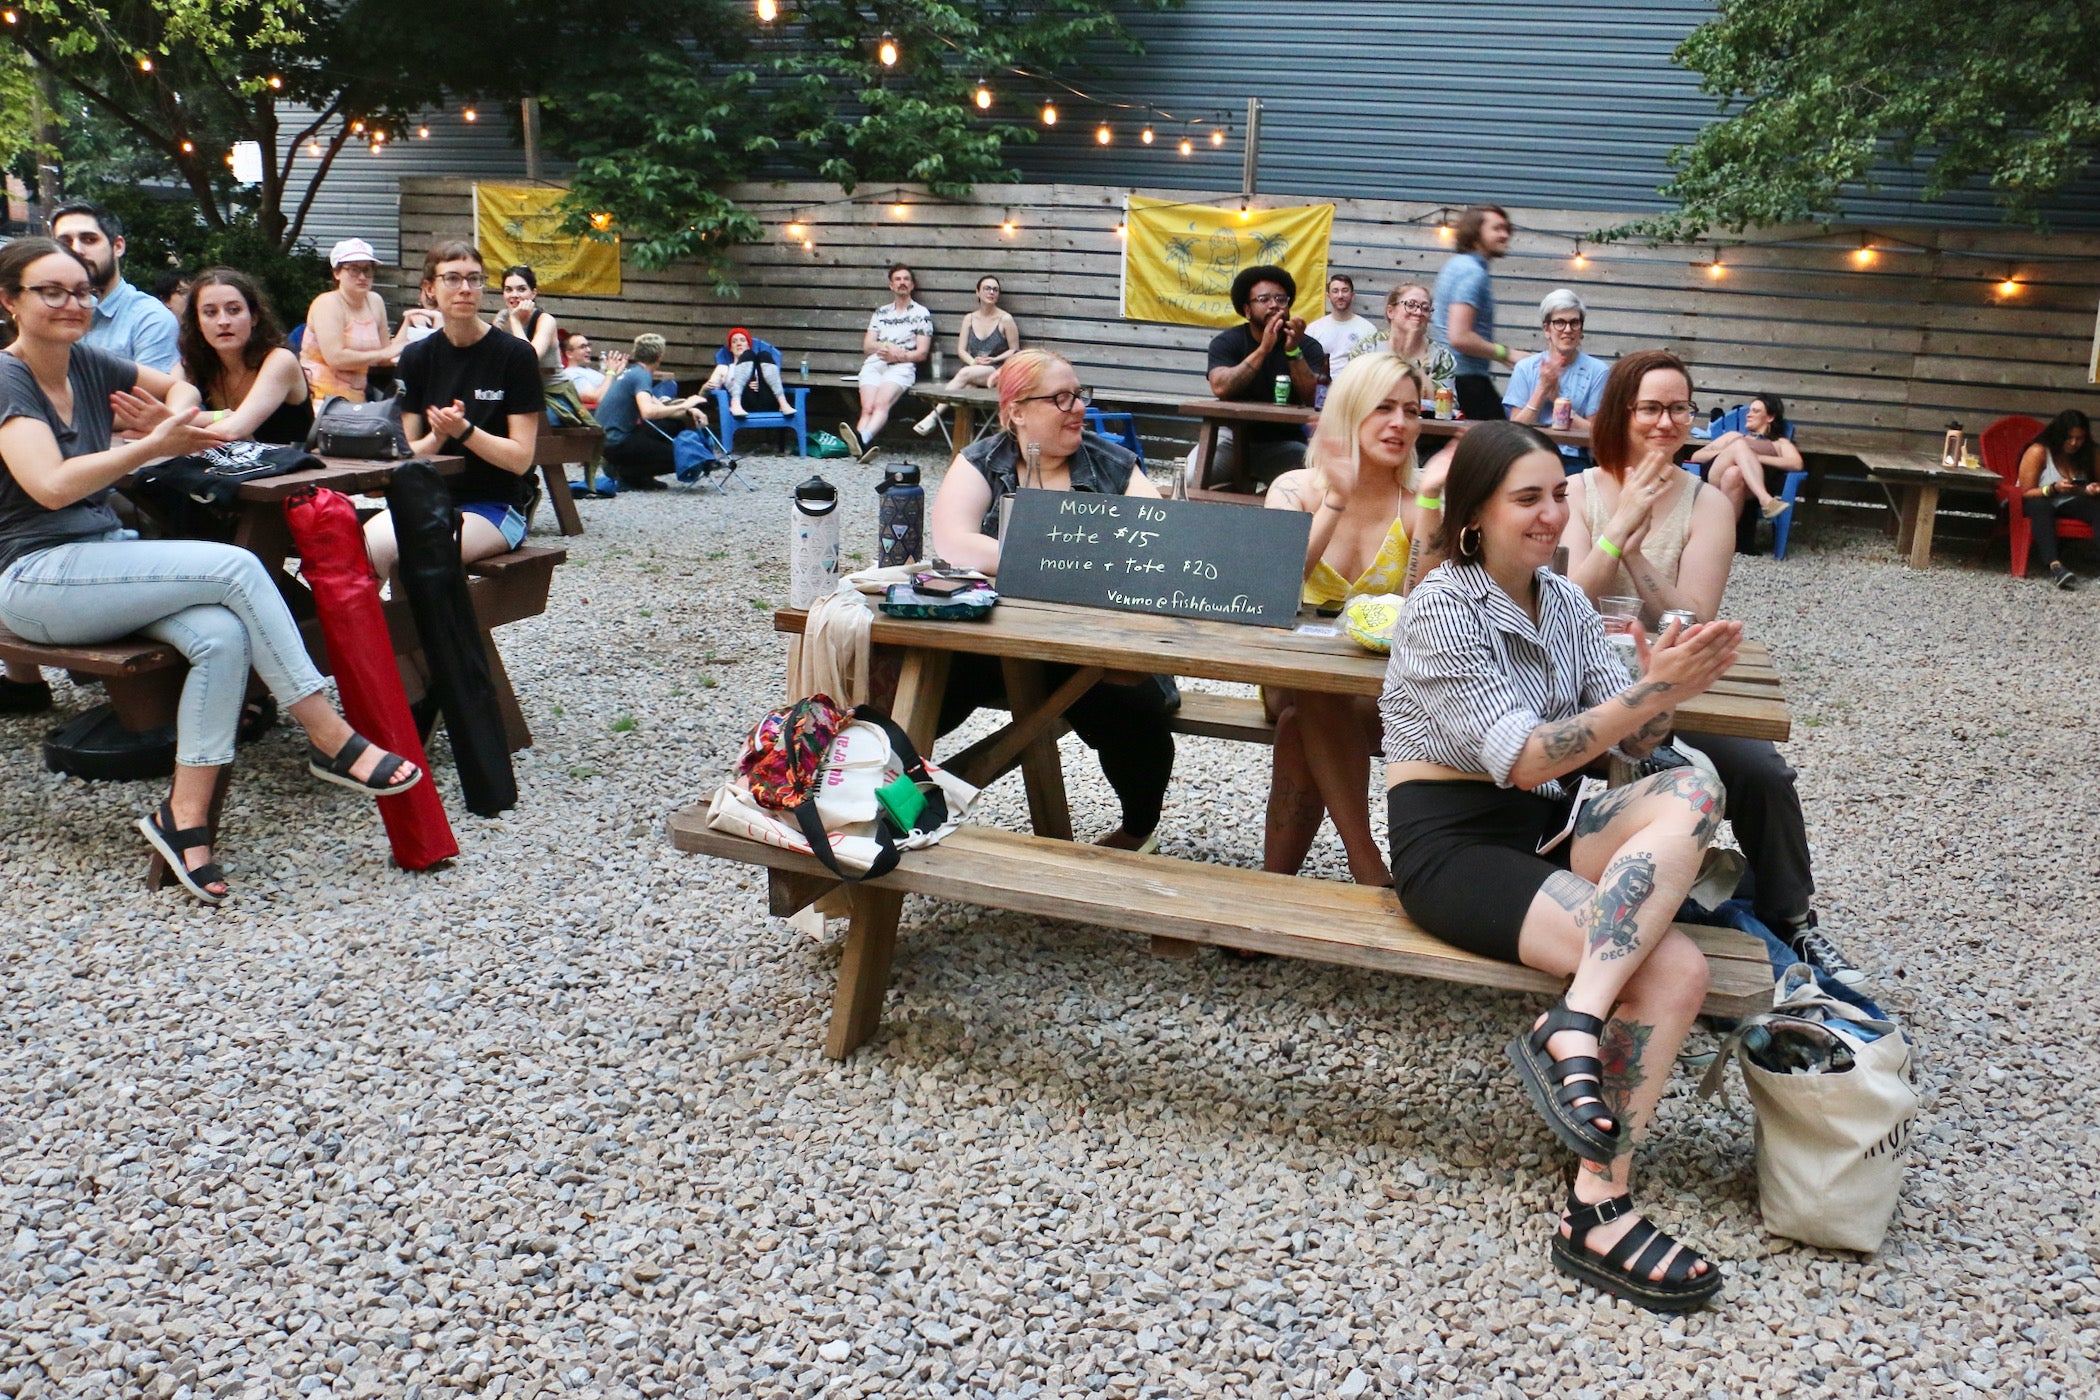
(1325, 588)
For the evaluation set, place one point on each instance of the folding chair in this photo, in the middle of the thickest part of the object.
(698, 453)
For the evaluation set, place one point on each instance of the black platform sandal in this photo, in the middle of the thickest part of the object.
(337, 770)
(160, 833)
(1555, 1085)
(1625, 1271)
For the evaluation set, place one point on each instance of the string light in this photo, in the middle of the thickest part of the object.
(808, 247)
(471, 115)
(313, 148)
(1217, 136)
(145, 64)
(1103, 135)
(1188, 147)
(1713, 267)
(795, 230)
(229, 157)
(898, 210)
(1146, 134)
(984, 97)
(1245, 212)
(187, 148)
(1121, 231)
(887, 50)
(1049, 114)
(276, 82)
(422, 132)
(357, 128)
(376, 148)
(9, 16)
(768, 11)
(1579, 260)
(2010, 286)
(602, 220)
(1863, 255)
(379, 136)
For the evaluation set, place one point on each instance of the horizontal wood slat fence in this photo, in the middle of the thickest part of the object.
(1879, 357)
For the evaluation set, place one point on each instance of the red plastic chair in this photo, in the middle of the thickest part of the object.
(2001, 446)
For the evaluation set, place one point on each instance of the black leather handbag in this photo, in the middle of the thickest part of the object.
(368, 432)
(427, 529)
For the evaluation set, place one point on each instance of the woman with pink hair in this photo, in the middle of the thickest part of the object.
(1043, 444)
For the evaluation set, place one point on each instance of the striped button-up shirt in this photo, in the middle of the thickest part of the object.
(1471, 676)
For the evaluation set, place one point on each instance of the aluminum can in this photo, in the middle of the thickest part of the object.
(1563, 413)
(1283, 388)
(1443, 402)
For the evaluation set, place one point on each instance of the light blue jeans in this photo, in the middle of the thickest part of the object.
(214, 603)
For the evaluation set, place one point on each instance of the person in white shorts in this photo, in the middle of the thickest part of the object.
(899, 338)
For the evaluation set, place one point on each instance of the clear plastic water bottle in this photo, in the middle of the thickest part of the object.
(805, 369)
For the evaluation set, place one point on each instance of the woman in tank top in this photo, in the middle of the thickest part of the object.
(1638, 524)
(988, 338)
(346, 334)
(233, 351)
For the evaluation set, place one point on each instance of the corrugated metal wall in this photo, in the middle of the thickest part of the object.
(1564, 105)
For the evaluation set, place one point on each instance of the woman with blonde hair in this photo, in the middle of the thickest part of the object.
(1043, 444)
(1365, 522)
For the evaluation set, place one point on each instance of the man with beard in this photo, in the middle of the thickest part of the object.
(128, 322)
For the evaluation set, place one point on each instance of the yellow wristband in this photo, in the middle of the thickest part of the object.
(1604, 543)
(1429, 502)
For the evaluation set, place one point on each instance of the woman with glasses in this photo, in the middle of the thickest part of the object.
(233, 351)
(71, 575)
(471, 391)
(523, 318)
(1407, 311)
(1365, 522)
(346, 329)
(1736, 462)
(1043, 444)
(1638, 525)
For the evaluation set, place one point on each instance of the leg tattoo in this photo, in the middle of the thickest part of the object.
(1611, 920)
(1598, 812)
(1620, 1050)
(1569, 890)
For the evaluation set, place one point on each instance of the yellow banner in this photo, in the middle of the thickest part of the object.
(518, 225)
(1179, 259)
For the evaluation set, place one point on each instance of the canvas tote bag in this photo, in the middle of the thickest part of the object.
(1830, 1147)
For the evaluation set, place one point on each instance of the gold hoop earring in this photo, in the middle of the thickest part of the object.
(1469, 550)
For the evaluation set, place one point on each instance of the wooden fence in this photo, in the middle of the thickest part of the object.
(1875, 356)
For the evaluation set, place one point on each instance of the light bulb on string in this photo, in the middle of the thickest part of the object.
(1006, 225)
(898, 210)
(1145, 135)
(1103, 135)
(2010, 286)
(1121, 231)
(1188, 147)
(984, 97)
(1217, 136)
(1579, 260)
(1713, 266)
(188, 147)
(1245, 212)
(357, 128)
(602, 220)
(768, 11)
(795, 230)
(145, 64)
(422, 133)
(887, 50)
(313, 148)
(1049, 114)
(808, 246)
(470, 115)
(9, 15)
(276, 83)
(1863, 255)
(1443, 225)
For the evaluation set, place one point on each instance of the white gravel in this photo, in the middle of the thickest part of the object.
(554, 1120)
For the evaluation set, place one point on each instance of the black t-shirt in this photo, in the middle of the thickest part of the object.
(496, 376)
(1231, 346)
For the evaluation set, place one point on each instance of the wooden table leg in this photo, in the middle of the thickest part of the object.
(871, 937)
(1928, 499)
(965, 420)
(557, 477)
(1206, 450)
(1040, 766)
(1906, 517)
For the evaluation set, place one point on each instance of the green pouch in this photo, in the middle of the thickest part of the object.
(901, 799)
(823, 444)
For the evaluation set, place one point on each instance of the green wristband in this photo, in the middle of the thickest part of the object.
(1429, 502)
(1604, 543)
(1293, 354)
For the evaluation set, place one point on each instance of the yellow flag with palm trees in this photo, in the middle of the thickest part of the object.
(1179, 259)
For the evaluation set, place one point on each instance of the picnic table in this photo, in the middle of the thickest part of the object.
(143, 677)
(1211, 413)
(1914, 481)
(1178, 903)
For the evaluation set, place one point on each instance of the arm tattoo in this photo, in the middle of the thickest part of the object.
(1657, 727)
(1636, 696)
(1566, 738)
(1569, 890)
(1611, 921)
(1290, 493)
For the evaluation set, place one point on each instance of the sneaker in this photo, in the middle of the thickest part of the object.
(2062, 577)
(928, 425)
(852, 441)
(1775, 508)
(24, 697)
(1814, 946)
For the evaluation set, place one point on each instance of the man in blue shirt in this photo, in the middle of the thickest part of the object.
(636, 453)
(127, 321)
(1561, 370)
(1464, 319)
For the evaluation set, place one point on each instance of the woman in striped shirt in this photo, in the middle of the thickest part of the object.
(1501, 685)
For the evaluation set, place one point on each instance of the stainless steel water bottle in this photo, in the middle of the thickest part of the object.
(813, 549)
(901, 517)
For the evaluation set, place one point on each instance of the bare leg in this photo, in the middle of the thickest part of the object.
(190, 800)
(974, 377)
(1751, 469)
(1337, 732)
(1295, 808)
(1642, 845)
(875, 405)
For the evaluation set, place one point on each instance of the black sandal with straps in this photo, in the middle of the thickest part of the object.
(337, 770)
(1556, 1085)
(1625, 1271)
(170, 844)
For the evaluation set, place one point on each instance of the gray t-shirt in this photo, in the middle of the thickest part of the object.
(93, 375)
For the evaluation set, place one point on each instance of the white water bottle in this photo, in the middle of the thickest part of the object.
(813, 550)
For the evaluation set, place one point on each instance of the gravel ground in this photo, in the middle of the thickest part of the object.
(553, 1120)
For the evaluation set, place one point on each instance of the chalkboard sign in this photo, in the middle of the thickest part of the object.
(1179, 558)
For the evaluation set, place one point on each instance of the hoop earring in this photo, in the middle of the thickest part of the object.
(1465, 550)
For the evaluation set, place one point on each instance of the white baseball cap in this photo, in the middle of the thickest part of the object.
(351, 250)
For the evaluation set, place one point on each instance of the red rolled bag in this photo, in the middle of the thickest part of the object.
(346, 593)
(426, 527)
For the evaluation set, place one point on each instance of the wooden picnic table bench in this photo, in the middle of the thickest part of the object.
(1914, 481)
(1177, 903)
(552, 452)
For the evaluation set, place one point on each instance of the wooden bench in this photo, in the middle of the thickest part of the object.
(142, 677)
(1177, 903)
(552, 452)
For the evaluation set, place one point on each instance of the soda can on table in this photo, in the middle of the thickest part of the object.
(1563, 413)
(1283, 388)
(1443, 401)
(1683, 616)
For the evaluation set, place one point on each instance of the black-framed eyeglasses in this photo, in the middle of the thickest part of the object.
(1064, 400)
(453, 281)
(55, 296)
(1565, 323)
(1420, 308)
(1651, 410)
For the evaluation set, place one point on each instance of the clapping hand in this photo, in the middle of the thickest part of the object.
(170, 432)
(449, 422)
(1638, 493)
(1550, 368)
(1689, 659)
(615, 363)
